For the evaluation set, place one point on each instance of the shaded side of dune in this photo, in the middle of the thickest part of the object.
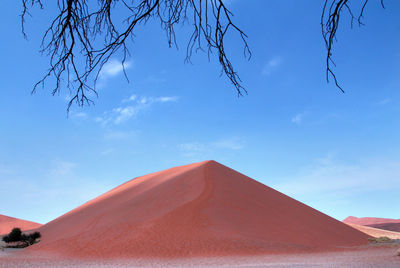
(390, 226)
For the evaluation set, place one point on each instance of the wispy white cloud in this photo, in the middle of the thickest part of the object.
(136, 105)
(298, 118)
(125, 113)
(333, 177)
(233, 143)
(132, 97)
(384, 101)
(78, 115)
(108, 151)
(198, 149)
(112, 68)
(61, 168)
(271, 65)
(167, 99)
(192, 149)
(155, 79)
(144, 100)
(102, 120)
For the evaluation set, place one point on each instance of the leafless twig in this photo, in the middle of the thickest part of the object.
(330, 18)
(74, 33)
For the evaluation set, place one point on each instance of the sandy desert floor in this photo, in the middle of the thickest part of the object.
(370, 256)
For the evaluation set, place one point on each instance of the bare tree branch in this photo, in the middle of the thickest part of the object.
(74, 33)
(330, 18)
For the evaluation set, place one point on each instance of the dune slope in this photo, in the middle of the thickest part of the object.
(8, 223)
(390, 226)
(375, 232)
(202, 209)
(380, 223)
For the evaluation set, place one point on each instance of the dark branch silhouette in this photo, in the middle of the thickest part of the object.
(92, 33)
(330, 19)
(83, 36)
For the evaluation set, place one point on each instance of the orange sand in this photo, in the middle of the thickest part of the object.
(8, 223)
(202, 209)
(375, 232)
(380, 223)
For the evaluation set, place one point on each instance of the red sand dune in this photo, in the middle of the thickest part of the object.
(202, 209)
(380, 223)
(375, 232)
(390, 226)
(8, 223)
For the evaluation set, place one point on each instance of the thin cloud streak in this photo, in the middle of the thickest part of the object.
(136, 105)
(198, 149)
(328, 176)
(298, 118)
(271, 65)
(112, 68)
(131, 98)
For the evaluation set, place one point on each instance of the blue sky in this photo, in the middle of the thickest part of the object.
(338, 153)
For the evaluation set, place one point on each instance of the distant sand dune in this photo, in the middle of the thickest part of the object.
(8, 223)
(380, 223)
(202, 209)
(369, 220)
(390, 226)
(375, 232)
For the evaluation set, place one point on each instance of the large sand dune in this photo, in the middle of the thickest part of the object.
(8, 223)
(380, 223)
(202, 209)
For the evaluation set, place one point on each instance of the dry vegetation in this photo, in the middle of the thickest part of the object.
(382, 239)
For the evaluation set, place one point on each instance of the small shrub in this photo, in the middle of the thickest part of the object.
(31, 238)
(14, 236)
(22, 240)
(382, 239)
